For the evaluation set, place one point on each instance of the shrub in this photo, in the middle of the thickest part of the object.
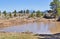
(32, 15)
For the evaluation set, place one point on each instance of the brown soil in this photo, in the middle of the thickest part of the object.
(18, 21)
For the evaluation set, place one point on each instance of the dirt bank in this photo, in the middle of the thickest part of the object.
(20, 21)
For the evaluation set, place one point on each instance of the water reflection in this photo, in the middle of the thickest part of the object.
(36, 27)
(55, 28)
(44, 28)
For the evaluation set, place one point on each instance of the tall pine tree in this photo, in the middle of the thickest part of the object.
(55, 6)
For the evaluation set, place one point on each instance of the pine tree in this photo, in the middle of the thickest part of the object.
(55, 6)
(0, 13)
(10, 15)
(15, 13)
(38, 13)
(4, 12)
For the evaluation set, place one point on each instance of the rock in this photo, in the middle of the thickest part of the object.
(58, 19)
(48, 17)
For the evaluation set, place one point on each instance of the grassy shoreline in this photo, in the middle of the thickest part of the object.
(27, 35)
(20, 21)
(11, 35)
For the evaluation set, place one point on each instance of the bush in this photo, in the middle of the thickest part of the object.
(15, 15)
(38, 14)
(32, 15)
(10, 15)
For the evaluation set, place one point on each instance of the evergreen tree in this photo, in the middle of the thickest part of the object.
(38, 13)
(15, 13)
(27, 11)
(20, 11)
(55, 6)
(4, 12)
(24, 11)
(0, 13)
(33, 11)
(10, 14)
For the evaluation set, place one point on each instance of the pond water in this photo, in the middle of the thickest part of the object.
(36, 27)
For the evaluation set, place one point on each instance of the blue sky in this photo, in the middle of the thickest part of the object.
(10, 5)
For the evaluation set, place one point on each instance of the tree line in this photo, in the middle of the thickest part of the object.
(32, 13)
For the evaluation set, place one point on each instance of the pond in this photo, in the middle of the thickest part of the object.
(36, 27)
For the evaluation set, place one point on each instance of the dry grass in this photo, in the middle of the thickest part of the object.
(17, 36)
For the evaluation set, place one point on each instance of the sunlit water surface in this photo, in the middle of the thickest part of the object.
(36, 27)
